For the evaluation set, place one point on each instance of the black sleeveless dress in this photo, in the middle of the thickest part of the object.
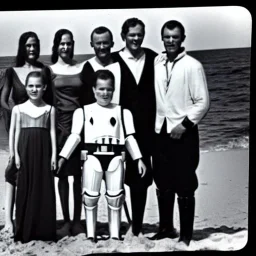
(69, 92)
(35, 201)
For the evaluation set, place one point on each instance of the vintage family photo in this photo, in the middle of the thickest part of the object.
(124, 130)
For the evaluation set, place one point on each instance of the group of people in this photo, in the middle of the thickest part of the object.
(127, 117)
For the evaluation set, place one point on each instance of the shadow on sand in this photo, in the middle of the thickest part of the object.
(199, 234)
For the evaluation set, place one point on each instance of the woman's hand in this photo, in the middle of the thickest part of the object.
(17, 161)
(53, 163)
(61, 163)
(141, 168)
(11, 158)
(11, 161)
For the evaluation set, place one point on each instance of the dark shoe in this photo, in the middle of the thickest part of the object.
(92, 239)
(135, 231)
(166, 201)
(187, 211)
(64, 230)
(138, 202)
(185, 240)
(165, 234)
(77, 228)
(116, 238)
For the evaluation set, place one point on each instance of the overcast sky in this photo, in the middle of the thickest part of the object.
(217, 27)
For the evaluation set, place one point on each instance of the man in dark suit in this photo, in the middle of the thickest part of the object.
(137, 94)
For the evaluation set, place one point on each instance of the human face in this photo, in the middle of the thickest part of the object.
(32, 49)
(134, 38)
(102, 45)
(65, 47)
(35, 88)
(103, 91)
(172, 39)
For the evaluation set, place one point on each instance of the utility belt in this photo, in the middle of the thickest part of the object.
(102, 149)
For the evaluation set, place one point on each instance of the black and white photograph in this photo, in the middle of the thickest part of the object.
(124, 130)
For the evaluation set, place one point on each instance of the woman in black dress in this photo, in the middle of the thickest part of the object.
(69, 91)
(13, 93)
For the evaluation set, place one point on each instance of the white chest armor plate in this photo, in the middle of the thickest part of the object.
(103, 125)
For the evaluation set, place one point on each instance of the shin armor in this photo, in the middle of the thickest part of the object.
(114, 213)
(90, 207)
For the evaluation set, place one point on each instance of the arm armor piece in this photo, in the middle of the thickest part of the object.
(133, 147)
(70, 145)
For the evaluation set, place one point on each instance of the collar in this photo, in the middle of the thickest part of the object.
(96, 65)
(128, 54)
(165, 59)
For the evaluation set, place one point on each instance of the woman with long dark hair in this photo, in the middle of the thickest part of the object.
(69, 92)
(13, 93)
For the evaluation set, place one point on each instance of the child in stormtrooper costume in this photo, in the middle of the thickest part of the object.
(108, 132)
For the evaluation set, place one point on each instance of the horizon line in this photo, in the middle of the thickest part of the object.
(211, 49)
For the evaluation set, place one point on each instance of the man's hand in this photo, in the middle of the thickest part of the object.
(160, 57)
(61, 163)
(177, 131)
(141, 168)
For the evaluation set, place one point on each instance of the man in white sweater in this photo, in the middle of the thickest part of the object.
(182, 100)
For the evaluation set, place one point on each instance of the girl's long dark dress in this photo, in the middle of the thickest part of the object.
(35, 201)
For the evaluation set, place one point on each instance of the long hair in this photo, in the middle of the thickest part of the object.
(22, 53)
(56, 43)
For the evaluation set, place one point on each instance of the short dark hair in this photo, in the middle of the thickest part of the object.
(22, 54)
(56, 43)
(172, 24)
(38, 74)
(104, 74)
(101, 30)
(132, 22)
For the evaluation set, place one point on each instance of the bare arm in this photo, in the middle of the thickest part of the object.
(12, 132)
(6, 89)
(16, 136)
(53, 140)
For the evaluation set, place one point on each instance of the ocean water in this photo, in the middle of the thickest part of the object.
(226, 125)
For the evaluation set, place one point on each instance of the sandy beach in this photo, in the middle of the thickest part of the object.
(221, 215)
